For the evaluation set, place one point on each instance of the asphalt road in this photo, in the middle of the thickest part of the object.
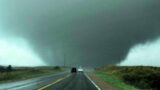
(77, 81)
(61, 81)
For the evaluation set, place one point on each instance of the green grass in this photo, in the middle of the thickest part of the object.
(115, 82)
(25, 74)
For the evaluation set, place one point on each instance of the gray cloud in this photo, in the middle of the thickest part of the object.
(89, 32)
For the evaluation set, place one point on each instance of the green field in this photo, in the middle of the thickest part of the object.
(130, 78)
(26, 73)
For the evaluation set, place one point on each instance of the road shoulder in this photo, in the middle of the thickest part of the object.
(101, 83)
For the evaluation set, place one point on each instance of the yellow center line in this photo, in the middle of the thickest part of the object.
(48, 85)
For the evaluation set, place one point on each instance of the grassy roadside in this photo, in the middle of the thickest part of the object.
(22, 74)
(141, 77)
(114, 81)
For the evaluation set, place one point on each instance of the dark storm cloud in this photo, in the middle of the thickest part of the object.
(89, 32)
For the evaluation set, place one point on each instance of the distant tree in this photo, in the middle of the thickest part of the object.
(9, 68)
(57, 67)
(2, 69)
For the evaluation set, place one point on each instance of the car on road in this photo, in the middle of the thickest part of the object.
(80, 69)
(74, 70)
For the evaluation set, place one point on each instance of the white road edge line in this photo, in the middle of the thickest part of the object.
(92, 82)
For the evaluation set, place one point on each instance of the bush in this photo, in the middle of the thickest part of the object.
(142, 79)
(57, 68)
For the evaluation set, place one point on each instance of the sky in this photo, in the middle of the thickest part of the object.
(79, 32)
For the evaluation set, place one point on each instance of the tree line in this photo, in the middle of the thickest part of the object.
(6, 69)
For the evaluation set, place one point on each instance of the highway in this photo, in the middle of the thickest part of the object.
(60, 81)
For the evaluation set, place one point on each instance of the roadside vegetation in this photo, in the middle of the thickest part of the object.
(125, 77)
(114, 81)
(9, 73)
